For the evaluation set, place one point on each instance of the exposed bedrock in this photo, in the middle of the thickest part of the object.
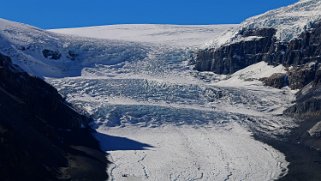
(261, 45)
(297, 77)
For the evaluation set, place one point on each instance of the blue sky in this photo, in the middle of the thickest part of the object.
(77, 13)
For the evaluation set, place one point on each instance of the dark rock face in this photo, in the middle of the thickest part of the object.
(233, 57)
(276, 80)
(296, 77)
(41, 137)
(51, 54)
(300, 76)
(308, 100)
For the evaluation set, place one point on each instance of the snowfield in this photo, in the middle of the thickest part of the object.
(156, 117)
(170, 35)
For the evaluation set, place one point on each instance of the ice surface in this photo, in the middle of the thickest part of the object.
(187, 153)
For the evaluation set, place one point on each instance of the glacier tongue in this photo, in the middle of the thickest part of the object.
(196, 125)
(189, 153)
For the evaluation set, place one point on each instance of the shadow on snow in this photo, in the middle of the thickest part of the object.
(114, 143)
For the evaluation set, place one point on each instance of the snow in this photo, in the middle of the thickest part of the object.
(24, 44)
(170, 35)
(289, 21)
(251, 75)
(223, 39)
(205, 153)
(140, 88)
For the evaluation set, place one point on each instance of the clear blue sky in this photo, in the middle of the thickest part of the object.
(76, 13)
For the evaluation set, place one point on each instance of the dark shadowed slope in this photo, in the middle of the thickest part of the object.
(41, 137)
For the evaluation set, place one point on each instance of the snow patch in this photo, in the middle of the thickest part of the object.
(251, 75)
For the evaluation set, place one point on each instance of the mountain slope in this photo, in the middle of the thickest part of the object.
(288, 22)
(41, 136)
(45, 54)
(288, 36)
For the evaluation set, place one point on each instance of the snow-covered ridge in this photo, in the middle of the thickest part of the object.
(25, 45)
(289, 21)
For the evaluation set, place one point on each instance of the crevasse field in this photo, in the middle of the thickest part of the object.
(166, 121)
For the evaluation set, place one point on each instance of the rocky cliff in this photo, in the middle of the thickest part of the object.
(261, 45)
(42, 137)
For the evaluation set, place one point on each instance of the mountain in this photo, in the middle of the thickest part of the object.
(288, 36)
(42, 136)
(147, 101)
(221, 102)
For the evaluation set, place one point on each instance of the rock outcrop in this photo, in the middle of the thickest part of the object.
(261, 45)
(277, 80)
(309, 97)
(296, 77)
(41, 136)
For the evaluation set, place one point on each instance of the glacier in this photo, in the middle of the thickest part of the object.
(199, 125)
(138, 83)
